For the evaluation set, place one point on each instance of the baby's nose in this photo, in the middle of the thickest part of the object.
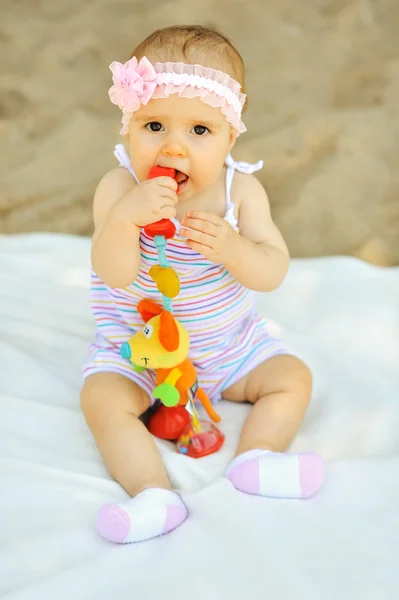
(174, 149)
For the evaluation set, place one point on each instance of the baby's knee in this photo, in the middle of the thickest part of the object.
(104, 396)
(95, 402)
(299, 379)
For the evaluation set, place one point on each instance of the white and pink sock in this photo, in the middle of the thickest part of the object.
(275, 475)
(151, 513)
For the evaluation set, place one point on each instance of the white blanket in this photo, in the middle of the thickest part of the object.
(340, 315)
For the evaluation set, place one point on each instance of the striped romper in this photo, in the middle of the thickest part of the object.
(228, 337)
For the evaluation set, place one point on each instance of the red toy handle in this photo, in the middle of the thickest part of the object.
(164, 227)
(161, 172)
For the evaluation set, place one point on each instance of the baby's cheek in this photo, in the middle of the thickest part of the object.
(141, 168)
(142, 160)
(207, 173)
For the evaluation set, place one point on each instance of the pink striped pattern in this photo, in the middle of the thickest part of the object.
(228, 338)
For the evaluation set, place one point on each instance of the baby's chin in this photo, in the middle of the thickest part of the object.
(190, 190)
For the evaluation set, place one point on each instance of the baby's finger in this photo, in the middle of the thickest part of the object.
(200, 248)
(203, 226)
(166, 182)
(165, 201)
(197, 236)
(168, 212)
(204, 216)
(169, 195)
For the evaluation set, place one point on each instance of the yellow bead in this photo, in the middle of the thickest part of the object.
(166, 279)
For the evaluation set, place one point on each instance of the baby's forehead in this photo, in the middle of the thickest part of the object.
(179, 109)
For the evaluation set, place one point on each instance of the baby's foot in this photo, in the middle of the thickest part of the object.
(276, 475)
(153, 512)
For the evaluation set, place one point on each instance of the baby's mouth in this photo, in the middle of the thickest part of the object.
(181, 179)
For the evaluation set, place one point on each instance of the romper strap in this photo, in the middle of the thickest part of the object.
(232, 166)
(243, 167)
(124, 159)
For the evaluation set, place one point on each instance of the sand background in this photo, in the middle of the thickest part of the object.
(323, 86)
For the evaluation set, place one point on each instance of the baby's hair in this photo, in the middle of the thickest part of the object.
(193, 44)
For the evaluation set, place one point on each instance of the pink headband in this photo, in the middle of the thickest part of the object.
(136, 84)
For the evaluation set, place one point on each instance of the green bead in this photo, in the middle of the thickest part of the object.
(167, 394)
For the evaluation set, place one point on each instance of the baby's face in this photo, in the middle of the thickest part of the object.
(182, 133)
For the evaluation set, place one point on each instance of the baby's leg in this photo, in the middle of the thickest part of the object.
(112, 404)
(280, 390)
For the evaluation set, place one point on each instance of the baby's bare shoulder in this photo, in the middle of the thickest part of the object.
(246, 187)
(114, 183)
(254, 217)
(112, 186)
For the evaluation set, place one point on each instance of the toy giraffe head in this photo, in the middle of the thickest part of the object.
(163, 342)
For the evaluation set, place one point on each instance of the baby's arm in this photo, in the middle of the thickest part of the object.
(259, 259)
(115, 252)
(121, 207)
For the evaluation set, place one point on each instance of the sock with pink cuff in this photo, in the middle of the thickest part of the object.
(151, 513)
(277, 475)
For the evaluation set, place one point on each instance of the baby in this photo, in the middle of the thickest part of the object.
(181, 98)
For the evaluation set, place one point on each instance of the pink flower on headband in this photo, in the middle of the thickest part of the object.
(134, 83)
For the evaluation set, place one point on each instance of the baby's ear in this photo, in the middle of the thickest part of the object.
(148, 309)
(232, 139)
(168, 332)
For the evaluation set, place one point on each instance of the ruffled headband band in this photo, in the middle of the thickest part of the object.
(136, 83)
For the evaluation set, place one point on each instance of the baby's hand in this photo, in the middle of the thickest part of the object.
(149, 201)
(209, 235)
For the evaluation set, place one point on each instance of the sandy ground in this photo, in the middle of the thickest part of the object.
(323, 85)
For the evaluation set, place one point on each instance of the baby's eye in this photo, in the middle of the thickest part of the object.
(147, 330)
(154, 126)
(200, 129)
